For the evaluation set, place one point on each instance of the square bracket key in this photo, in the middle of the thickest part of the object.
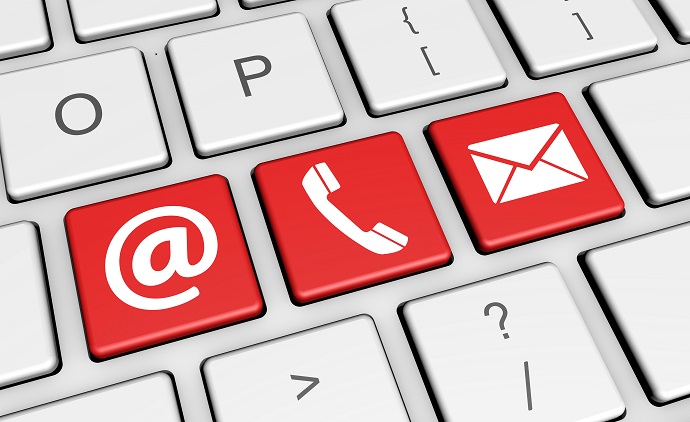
(414, 53)
(559, 36)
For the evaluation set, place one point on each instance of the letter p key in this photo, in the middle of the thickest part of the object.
(244, 78)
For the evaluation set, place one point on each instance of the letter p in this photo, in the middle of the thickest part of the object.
(244, 78)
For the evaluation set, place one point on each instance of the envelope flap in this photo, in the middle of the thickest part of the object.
(521, 148)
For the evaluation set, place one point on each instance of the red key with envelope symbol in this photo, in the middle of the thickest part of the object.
(524, 171)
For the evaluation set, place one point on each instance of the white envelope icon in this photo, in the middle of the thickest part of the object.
(527, 163)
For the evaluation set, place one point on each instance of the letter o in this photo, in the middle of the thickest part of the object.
(96, 106)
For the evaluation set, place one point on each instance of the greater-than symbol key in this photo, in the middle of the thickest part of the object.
(313, 383)
(347, 356)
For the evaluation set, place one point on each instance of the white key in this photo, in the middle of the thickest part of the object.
(337, 372)
(253, 83)
(647, 114)
(256, 3)
(28, 346)
(558, 36)
(645, 282)
(82, 121)
(94, 20)
(145, 399)
(530, 359)
(23, 28)
(678, 14)
(409, 53)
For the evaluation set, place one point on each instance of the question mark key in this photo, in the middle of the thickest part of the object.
(513, 347)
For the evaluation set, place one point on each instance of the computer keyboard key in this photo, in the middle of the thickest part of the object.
(644, 282)
(350, 216)
(253, 83)
(337, 372)
(94, 20)
(406, 55)
(650, 105)
(524, 171)
(257, 3)
(78, 122)
(161, 265)
(149, 398)
(28, 348)
(512, 348)
(559, 36)
(677, 13)
(23, 28)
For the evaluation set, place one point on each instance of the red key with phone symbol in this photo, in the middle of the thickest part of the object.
(350, 216)
(161, 265)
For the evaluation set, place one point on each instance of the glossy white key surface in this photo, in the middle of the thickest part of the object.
(647, 114)
(558, 36)
(23, 28)
(678, 14)
(28, 346)
(645, 282)
(412, 53)
(547, 369)
(145, 399)
(253, 83)
(343, 363)
(51, 141)
(94, 20)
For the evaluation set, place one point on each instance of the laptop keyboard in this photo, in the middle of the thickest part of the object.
(322, 211)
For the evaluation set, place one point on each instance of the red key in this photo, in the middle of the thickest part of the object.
(350, 216)
(524, 171)
(161, 265)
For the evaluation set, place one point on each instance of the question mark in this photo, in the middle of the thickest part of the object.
(504, 315)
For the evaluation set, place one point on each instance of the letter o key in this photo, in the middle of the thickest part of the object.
(61, 122)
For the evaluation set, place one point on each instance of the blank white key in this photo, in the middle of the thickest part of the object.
(416, 52)
(23, 28)
(513, 348)
(337, 372)
(647, 114)
(558, 36)
(645, 282)
(82, 121)
(145, 399)
(678, 14)
(253, 83)
(94, 20)
(28, 346)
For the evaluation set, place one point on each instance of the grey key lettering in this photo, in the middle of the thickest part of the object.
(407, 21)
(244, 78)
(582, 22)
(504, 315)
(428, 62)
(96, 121)
(528, 386)
(415, 32)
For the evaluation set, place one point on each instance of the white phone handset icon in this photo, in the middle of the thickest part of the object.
(319, 182)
